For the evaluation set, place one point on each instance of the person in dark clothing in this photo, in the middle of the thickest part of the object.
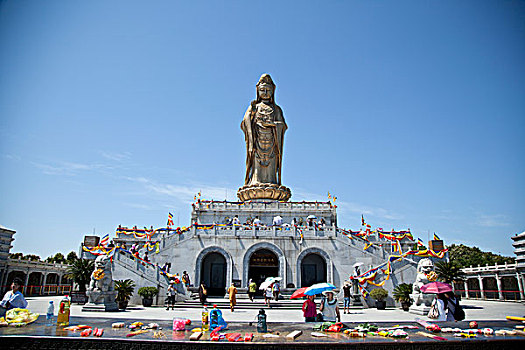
(346, 295)
(203, 293)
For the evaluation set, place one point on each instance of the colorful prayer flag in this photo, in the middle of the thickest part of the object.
(104, 241)
(436, 237)
(420, 242)
(170, 220)
(362, 221)
(393, 247)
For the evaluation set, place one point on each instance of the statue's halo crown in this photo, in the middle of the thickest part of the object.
(266, 79)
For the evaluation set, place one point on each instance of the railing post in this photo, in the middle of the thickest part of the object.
(480, 279)
(498, 283)
(520, 285)
(465, 285)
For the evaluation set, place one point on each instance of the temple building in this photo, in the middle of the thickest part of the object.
(265, 234)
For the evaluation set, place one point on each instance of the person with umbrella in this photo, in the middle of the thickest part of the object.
(309, 309)
(445, 301)
(268, 294)
(329, 307)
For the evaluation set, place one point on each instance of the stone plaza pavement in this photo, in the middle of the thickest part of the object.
(474, 309)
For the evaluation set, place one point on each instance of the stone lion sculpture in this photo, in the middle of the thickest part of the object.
(101, 292)
(425, 274)
(101, 278)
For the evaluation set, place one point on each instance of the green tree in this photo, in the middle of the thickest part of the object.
(449, 271)
(80, 272)
(16, 256)
(466, 256)
(71, 257)
(57, 258)
(31, 257)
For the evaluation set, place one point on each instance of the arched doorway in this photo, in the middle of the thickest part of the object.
(214, 274)
(263, 263)
(490, 287)
(313, 270)
(474, 291)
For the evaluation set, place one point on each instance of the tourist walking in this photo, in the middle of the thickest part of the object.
(13, 298)
(446, 306)
(252, 288)
(309, 309)
(268, 294)
(329, 307)
(346, 297)
(186, 279)
(276, 289)
(203, 293)
(171, 296)
(232, 292)
(235, 220)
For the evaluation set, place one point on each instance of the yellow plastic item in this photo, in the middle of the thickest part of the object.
(194, 330)
(515, 318)
(20, 317)
(63, 312)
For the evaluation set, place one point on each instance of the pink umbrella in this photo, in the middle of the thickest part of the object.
(299, 293)
(436, 288)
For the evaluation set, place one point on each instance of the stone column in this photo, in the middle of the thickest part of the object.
(465, 285)
(44, 278)
(520, 286)
(480, 279)
(26, 282)
(498, 282)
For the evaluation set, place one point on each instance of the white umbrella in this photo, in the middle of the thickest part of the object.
(268, 282)
(359, 264)
(312, 217)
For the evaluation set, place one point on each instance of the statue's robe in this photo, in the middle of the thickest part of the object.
(263, 165)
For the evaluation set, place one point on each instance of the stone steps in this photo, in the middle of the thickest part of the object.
(246, 304)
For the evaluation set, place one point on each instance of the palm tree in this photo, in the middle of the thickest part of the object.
(449, 271)
(80, 272)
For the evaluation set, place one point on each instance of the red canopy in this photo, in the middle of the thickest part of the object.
(436, 287)
(299, 293)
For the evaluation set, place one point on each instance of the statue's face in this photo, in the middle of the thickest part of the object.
(426, 266)
(265, 91)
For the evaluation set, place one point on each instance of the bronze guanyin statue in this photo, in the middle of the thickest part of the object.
(264, 127)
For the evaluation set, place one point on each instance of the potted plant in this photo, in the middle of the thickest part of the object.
(147, 294)
(379, 294)
(125, 290)
(402, 294)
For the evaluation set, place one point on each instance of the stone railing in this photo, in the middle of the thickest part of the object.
(36, 264)
(488, 268)
(205, 205)
(265, 231)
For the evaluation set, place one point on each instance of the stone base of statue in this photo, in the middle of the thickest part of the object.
(422, 303)
(355, 300)
(264, 191)
(101, 301)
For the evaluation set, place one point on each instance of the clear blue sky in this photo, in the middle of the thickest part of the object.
(116, 112)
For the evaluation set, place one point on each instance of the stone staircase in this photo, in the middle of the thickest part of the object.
(246, 304)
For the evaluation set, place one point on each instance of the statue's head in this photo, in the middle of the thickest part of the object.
(102, 262)
(425, 266)
(265, 88)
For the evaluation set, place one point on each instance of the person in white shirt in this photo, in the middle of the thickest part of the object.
(446, 306)
(277, 220)
(235, 220)
(329, 307)
(256, 221)
(268, 293)
(13, 298)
